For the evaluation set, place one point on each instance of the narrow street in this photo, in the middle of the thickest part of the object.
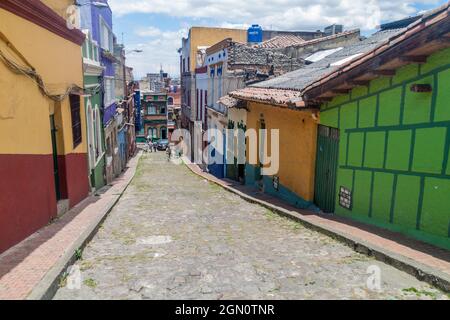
(176, 236)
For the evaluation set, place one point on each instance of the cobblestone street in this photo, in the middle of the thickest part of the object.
(174, 235)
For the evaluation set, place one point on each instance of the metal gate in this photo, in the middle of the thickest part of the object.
(326, 168)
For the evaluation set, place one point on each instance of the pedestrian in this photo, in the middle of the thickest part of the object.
(169, 153)
(149, 144)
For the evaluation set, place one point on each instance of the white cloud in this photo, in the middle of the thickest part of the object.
(278, 14)
(159, 48)
(270, 14)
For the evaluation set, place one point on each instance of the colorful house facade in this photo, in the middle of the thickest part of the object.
(43, 165)
(377, 150)
(98, 20)
(155, 110)
(297, 126)
(93, 71)
(198, 40)
(391, 109)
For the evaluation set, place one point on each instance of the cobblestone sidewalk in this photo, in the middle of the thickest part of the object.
(29, 269)
(174, 235)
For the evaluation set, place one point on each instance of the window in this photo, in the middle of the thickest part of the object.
(206, 104)
(170, 101)
(163, 133)
(110, 96)
(76, 119)
(98, 132)
(151, 110)
(106, 36)
(197, 103)
(162, 110)
(152, 133)
(90, 133)
(200, 111)
(90, 48)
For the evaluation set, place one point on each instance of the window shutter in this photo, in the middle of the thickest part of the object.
(76, 119)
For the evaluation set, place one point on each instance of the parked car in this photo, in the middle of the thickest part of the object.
(162, 144)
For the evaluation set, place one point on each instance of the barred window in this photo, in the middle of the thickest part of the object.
(76, 119)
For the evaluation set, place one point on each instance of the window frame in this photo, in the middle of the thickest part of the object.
(75, 114)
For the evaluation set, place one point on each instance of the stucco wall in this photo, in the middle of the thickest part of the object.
(27, 188)
(394, 150)
(298, 131)
(200, 36)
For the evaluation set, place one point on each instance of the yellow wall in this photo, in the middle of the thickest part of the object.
(298, 133)
(24, 111)
(59, 6)
(202, 36)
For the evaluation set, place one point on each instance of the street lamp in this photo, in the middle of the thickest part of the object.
(125, 86)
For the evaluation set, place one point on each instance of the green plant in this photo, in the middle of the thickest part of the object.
(420, 293)
(90, 283)
(63, 280)
(78, 254)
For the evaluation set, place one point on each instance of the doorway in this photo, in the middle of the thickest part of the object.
(53, 132)
(326, 168)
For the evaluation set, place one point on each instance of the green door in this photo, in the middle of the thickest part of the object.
(326, 168)
(55, 158)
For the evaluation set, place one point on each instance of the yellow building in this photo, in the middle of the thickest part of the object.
(293, 177)
(43, 161)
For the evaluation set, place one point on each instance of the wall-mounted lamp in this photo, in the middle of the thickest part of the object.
(421, 88)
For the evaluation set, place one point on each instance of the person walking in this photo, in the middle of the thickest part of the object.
(169, 153)
(149, 144)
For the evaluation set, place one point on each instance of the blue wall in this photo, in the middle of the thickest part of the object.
(90, 19)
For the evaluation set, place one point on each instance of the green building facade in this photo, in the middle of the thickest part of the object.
(394, 149)
(94, 116)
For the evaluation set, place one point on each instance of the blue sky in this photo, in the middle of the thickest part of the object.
(157, 26)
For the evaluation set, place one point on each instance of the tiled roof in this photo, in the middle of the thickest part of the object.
(327, 38)
(294, 84)
(228, 101)
(281, 42)
(299, 79)
(286, 89)
(273, 96)
(426, 20)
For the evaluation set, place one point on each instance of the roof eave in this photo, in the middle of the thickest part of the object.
(429, 35)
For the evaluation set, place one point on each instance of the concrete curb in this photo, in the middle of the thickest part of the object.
(48, 286)
(420, 271)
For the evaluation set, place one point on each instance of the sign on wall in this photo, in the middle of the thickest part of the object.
(345, 198)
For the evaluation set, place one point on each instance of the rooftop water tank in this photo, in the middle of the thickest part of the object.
(255, 34)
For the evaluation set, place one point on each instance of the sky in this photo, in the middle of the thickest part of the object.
(157, 26)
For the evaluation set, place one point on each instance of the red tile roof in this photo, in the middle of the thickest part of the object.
(281, 42)
(280, 97)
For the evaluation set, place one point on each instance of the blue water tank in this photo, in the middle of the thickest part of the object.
(255, 34)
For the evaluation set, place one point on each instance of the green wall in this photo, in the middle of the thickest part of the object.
(97, 175)
(394, 150)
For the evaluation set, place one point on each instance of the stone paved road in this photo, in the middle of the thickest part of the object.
(176, 236)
